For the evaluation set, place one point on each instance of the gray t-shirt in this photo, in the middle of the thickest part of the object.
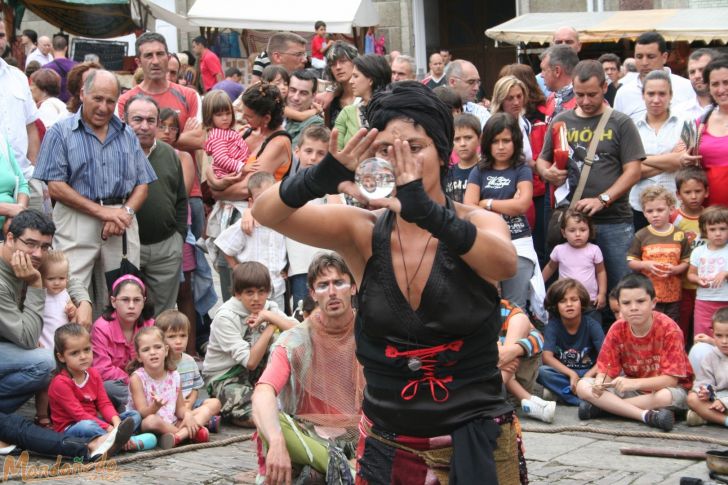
(620, 144)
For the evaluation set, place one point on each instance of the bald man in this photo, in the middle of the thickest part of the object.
(42, 53)
(463, 78)
(436, 77)
(563, 36)
(96, 197)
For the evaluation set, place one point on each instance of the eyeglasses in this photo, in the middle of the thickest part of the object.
(33, 245)
(169, 128)
(323, 287)
(295, 54)
(469, 82)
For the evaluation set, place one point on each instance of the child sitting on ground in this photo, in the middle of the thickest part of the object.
(692, 189)
(240, 337)
(518, 339)
(642, 365)
(264, 245)
(176, 329)
(77, 394)
(708, 401)
(57, 311)
(155, 392)
(659, 251)
(572, 341)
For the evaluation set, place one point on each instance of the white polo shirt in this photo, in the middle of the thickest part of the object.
(17, 109)
(629, 98)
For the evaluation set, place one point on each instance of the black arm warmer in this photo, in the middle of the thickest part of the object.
(314, 182)
(443, 223)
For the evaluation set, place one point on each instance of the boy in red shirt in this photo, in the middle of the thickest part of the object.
(642, 366)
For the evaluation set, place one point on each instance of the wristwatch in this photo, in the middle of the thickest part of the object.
(604, 199)
(128, 210)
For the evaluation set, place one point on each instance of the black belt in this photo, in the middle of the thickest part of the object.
(111, 201)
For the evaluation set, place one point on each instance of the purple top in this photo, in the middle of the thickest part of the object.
(62, 66)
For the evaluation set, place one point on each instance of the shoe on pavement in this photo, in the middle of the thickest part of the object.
(115, 440)
(589, 411)
(539, 409)
(660, 418)
(694, 419)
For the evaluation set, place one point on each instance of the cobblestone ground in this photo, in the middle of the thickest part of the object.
(571, 458)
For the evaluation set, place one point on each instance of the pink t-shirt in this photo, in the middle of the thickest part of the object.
(579, 264)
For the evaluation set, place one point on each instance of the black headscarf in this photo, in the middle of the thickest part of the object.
(414, 101)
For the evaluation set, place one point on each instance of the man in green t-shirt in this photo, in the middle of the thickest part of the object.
(615, 170)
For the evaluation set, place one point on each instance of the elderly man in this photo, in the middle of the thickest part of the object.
(301, 90)
(436, 78)
(698, 106)
(25, 368)
(284, 49)
(42, 53)
(98, 175)
(650, 53)
(615, 170)
(209, 64)
(463, 78)
(403, 68)
(18, 123)
(153, 58)
(557, 62)
(322, 345)
(163, 217)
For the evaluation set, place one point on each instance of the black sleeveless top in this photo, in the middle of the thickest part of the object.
(432, 370)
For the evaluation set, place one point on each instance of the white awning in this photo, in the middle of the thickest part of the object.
(695, 24)
(144, 12)
(293, 15)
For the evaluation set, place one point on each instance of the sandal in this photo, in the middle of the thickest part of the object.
(169, 440)
(141, 442)
(43, 422)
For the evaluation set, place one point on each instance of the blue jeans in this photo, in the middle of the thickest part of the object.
(22, 373)
(118, 392)
(21, 432)
(299, 288)
(614, 240)
(558, 383)
(88, 428)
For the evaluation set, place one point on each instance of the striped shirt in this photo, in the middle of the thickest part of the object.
(72, 153)
(228, 150)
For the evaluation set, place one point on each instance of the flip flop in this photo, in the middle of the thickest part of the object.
(115, 441)
(141, 442)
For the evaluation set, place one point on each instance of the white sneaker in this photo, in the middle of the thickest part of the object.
(539, 409)
(694, 419)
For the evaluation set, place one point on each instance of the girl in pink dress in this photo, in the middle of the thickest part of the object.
(155, 392)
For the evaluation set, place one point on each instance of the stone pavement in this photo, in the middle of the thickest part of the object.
(568, 458)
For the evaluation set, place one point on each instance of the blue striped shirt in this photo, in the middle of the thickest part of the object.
(72, 153)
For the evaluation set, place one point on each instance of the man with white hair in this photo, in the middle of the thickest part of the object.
(463, 78)
(403, 68)
(42, 53)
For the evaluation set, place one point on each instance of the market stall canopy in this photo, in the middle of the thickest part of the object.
(695, 24)
(294, 15)
(102, 18)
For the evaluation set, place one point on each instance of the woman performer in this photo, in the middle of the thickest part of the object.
(428, 317)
